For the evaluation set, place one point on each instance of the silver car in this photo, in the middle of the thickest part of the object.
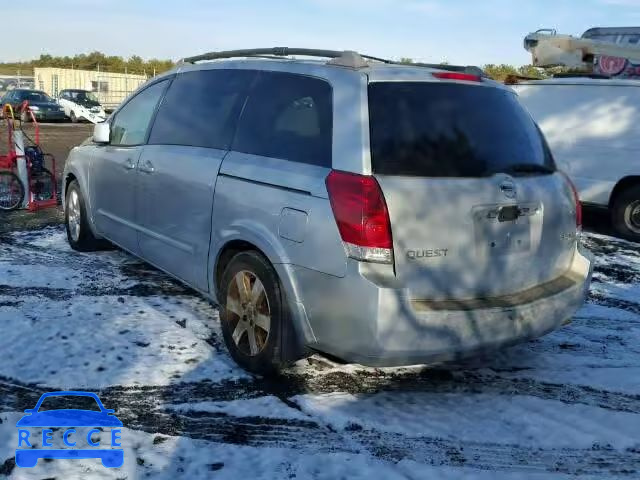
(379, 213)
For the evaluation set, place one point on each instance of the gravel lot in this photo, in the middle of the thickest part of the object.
(562, 406)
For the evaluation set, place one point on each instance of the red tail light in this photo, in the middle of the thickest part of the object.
(576, 198)
(457, 76)
(361, 215)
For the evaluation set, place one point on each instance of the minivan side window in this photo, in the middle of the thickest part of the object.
(131, 123)
(201, 109)
(288, 116)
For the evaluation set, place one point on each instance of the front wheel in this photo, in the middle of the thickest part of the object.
(73, 117)
(626, 214)
(11, 191)
(253, 313)
(79, 233)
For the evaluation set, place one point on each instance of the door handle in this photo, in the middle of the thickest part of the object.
(147, 167)
(129, 165)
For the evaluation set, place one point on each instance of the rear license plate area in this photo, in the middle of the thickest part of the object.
(508, 214)
(503, 229)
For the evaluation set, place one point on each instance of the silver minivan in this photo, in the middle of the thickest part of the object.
(379, 213)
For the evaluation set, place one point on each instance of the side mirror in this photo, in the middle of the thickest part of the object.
(101, 133)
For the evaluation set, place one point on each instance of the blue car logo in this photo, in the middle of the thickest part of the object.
(65, 421)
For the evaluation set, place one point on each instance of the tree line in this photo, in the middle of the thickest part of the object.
(90, 61)
(137, 65)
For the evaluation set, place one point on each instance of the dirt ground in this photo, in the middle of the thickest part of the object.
(55, 138)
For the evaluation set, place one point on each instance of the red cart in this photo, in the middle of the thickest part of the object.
(40, 185)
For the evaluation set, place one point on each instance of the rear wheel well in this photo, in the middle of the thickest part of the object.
(292, 345)
(621, 186)
(229, 251)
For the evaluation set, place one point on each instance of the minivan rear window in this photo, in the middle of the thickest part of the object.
(451, 130)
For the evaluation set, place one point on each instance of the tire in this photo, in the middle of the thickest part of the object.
(72, 117)
(11, 191)
(626, 214)
(75, 217)
(264, 354)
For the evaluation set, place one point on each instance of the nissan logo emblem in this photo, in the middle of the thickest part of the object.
(509, 189)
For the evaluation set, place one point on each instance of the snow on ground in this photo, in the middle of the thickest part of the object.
(161, 457)
(523, 420)
(264, 407)
(110, 336)
(564, 405)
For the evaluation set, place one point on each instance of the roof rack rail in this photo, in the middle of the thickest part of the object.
(472, 69)
(344, 58)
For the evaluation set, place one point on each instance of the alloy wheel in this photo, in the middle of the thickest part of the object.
(248, 313)
(73, 217)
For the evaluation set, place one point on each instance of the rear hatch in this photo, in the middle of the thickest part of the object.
(476, 206)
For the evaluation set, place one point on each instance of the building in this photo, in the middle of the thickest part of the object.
(110, 88)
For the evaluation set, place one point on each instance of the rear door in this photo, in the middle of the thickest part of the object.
(178, 169)
(113, 174)
(476, 209)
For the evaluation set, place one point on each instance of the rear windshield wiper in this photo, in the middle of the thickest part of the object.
(529, 168)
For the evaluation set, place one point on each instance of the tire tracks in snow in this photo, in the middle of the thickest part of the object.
(17, 396)
(140, 412)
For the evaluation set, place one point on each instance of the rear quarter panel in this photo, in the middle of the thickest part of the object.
(282, 208)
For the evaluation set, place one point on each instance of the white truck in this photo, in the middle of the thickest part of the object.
(81, 105)
(592, 123)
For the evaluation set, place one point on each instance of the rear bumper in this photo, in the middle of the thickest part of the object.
(355, 320)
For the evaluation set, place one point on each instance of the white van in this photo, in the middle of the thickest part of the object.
(593, 128)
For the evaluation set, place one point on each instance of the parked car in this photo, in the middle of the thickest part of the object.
(381, 213)
(44, 107)
(593, 128)
(81, 105)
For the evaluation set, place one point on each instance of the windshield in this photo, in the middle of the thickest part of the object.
(69, 402)
(34, 97)
(83, 96)
(452, 130)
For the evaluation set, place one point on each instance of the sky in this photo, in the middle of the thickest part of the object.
(457, 31)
